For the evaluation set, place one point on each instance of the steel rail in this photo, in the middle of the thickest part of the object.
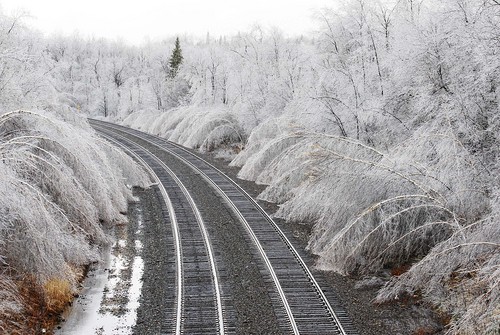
(199, 219)
(175, 229)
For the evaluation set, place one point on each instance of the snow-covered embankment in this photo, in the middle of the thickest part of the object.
(61, 186)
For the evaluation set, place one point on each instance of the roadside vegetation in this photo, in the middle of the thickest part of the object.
(380, 130)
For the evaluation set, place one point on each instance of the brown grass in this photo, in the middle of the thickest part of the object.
(424, 331)
(42, 304)
(35, 316)
(58, 294)
(399, 270)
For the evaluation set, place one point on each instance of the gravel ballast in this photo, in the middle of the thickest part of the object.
(253, 309)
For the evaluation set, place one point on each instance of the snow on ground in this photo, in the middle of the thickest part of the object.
(109, 298)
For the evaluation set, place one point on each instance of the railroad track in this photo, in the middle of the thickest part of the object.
(300, 304)
(197, 303)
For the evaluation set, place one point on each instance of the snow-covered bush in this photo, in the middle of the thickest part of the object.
(462, 274)
(424, 202)
(200, 128)
(61, 187)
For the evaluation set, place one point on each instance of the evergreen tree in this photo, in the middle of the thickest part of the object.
(176, 59)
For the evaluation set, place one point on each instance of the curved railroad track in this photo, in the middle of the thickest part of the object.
(198, 303)
(299, 302)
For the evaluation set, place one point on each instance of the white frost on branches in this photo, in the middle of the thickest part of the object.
(61, 187)
(194, 127)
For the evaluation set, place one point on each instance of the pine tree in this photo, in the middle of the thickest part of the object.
(176, 59)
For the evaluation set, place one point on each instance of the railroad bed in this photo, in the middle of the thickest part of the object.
(214, 222)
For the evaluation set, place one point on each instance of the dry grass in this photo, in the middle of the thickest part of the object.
(41, 305)
(424, 331)
(399, 270)
(35, 316)
(58, 294)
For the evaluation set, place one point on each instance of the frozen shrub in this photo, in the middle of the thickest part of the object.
(141, 119)
(206, 129)
(61, 186)
(271, 130)
(10, 302)
(462, 274)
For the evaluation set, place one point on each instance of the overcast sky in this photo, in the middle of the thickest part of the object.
(134, 20)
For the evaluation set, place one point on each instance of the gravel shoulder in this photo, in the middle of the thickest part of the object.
(158, 282)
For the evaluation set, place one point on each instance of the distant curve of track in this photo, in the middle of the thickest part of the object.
(299, 302)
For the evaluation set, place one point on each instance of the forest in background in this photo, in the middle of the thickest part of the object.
(380, 130)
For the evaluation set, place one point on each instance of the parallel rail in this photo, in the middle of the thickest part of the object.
(198, 291)
(307, 310)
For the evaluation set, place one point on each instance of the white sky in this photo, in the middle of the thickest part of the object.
(134, 20)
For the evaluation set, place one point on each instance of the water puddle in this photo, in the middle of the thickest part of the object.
(110, 296)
